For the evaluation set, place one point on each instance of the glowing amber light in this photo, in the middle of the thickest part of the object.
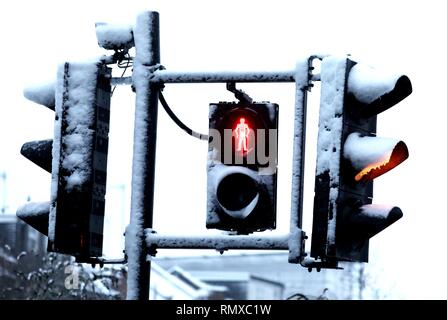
(374, 166)
(388, 162)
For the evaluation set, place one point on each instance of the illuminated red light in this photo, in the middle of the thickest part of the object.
(241, 133)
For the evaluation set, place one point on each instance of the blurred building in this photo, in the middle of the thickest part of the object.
(20, 237)
(270, 276)
(18, 241)
(229, 276)
(177, 284)
(243, 285)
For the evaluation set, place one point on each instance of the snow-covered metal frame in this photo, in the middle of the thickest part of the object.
(165, 76)
(220, 243)
(147, 48)
(302, 76)
(147, 79)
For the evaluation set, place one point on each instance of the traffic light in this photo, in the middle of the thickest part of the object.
(77, 160)
(242, 166)
(350, 156)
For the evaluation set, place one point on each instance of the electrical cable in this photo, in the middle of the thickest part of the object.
(125, 63)
(178, 122)
(121, 64)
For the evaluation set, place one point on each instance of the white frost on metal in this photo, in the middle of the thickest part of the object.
(43, 94)
(167, 76)
(79, 109)
(301, 83)
(32, 209)
(140, 79)
(376, 210)
(218, 242)
(333, 71)
(362, 151)
(331, 109)
(113, 37)
(308, 262)
(368, 84)
(75, 104)
(56, 154)
(141, 37)
(294, 244)
(135, 230)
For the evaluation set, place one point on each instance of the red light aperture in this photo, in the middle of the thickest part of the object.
(241, 134)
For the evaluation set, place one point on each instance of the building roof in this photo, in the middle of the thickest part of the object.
(8, 218)
(230, 276)
(170, 286)
(194, 281)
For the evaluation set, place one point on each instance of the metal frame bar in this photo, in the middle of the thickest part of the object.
(220, 242)
(302, 85)
(164, 76)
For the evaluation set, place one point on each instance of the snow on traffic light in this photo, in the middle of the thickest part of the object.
(350, 156)
(76, 157)
(242, 162)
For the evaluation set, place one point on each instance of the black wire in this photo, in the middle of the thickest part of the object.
(125, 66)
(178, 121)
(126, 62)
(165, 105)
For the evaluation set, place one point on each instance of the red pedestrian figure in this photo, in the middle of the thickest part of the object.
(242, 130)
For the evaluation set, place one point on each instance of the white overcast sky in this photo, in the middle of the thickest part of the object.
(407, 36)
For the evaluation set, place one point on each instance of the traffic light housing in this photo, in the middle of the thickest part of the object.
(242, 166)
(77, 160)
(350, 156)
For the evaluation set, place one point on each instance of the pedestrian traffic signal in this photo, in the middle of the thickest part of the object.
(77, 160)
(350, 156)
(242, 165)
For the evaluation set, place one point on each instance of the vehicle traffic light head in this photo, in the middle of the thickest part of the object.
(350, 156)
(242, 163)
(77, 160)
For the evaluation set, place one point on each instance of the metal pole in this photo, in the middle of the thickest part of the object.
(302, 82)
(147, 58)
